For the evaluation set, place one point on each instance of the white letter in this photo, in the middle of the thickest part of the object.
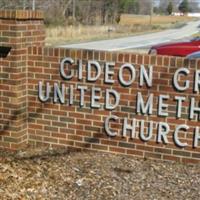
(127, 126)
(71, 94)
(82, 93)
(80, 70)
(148, 77)
(59, 95)
(196, 137)
(179, 105)
(141, 108)
(197, 81)
(116, 96)
(89, 68)
(131, 70)
(176, 139)
(41, 96)
(69, 61)
(184, 71)
(163, 130)
(106, 126)
(162, 106)
(109, 73)
(95, 98)
(193, 109)
(150, 131)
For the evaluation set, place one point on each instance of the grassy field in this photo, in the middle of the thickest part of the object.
(129, 25)
(127, 19)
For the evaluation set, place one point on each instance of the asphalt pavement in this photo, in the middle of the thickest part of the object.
(140, 41)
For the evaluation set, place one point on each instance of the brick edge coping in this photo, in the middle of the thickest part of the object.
(117, 56)
(21, 14)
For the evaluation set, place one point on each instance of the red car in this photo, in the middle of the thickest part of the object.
(176, 49)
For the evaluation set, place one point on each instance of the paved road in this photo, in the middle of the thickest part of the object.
(141, 40)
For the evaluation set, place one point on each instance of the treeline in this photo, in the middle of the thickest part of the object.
(82, 11)
(183, 6)
(98, 11)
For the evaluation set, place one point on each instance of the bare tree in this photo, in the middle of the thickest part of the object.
(145, 7)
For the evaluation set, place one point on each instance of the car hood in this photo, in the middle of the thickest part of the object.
(170, 45)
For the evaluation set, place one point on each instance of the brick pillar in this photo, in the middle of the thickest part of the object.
(18, 30)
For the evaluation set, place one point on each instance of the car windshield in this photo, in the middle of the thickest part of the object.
(195, 39)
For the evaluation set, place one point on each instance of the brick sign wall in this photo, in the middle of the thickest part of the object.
(66, 119)
(146, 106)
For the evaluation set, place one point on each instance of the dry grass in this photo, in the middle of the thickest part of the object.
(127, 19)
(69, 34)
(129, 25)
